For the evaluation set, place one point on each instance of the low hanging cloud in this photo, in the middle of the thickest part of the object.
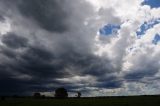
(13, 41)
(53, 43)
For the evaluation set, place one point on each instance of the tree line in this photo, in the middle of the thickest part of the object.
(59, 93)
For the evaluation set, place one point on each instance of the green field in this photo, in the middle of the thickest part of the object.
(108, 101)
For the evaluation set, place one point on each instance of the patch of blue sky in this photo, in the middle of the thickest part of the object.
(146, 26)
(156, 39)
(152, 3)
(109, 29)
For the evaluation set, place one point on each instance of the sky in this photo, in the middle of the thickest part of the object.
(97, 47)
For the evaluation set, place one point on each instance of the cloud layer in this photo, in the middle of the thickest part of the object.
(53, 43)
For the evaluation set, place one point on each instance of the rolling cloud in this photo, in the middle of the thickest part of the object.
(53, 43)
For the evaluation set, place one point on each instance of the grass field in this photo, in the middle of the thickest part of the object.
(108, 101)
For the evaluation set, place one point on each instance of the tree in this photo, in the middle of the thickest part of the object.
(3, 98)
(61, 93)
(36, 95)
(78, 94)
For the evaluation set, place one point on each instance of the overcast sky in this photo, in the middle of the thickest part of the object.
(97, 47)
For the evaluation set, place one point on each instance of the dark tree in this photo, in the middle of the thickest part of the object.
(37, 95)
(3, 98)
(61, 93)
(78, 94)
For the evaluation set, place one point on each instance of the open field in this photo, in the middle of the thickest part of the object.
(106, 101)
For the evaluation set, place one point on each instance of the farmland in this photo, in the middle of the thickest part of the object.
(96, 101)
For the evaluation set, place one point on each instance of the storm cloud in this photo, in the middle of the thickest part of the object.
(45, 44)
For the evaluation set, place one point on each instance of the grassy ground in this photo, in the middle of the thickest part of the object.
(110, 101)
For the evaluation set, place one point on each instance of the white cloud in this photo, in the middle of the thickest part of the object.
(127, 52)
(79, 79)
(5, 27)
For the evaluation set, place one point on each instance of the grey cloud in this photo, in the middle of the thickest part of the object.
(56, 44)
(44, 67)
(145, 67)
(14, 41)
(110, 12)
(110, 84)
(1, 18)
(49, 14)
(140, 74)
(24, 52)
(8, 52)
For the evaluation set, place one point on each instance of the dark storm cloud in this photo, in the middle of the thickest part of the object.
(88, 64)
(30, 64)
(14, 41)
(49, 14)
(137, 75)
(42, 62)
(1, 18)
(110, 84)
(11, 86)
(39, 63)
(36, 62)
(8, 52)
(44, 68)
